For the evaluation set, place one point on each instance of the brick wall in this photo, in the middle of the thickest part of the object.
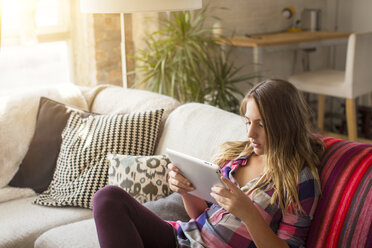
(101, 59)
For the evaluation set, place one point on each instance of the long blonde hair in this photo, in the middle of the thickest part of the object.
(290, 143)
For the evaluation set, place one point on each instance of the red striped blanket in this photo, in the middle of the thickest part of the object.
(344, 213)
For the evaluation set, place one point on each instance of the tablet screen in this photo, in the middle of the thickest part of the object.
(202, 174)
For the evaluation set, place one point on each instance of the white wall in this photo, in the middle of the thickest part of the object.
(354, 16)
(360, 18)
(262, 16)
(265, 16)
(362, 22)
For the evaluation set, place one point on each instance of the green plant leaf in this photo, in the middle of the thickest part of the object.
(184, 61)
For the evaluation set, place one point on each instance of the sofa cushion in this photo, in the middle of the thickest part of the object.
(344, 212)
(82, 167)
(169, 208)
(11, 193)
(23, 222)
(18, 120)
(120, 100)
(37, 168)
(144, 177)
(81, 234)
(198, 129)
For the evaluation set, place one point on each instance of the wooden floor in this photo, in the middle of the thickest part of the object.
(342, 136)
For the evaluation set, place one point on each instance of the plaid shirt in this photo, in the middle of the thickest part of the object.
(216, 227)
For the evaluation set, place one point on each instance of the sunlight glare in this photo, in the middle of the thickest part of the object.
(42, 12)
(47, 13)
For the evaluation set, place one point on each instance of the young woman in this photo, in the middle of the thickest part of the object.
(272, 179)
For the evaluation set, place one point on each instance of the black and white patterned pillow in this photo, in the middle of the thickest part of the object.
(82, 167)
(144, 177)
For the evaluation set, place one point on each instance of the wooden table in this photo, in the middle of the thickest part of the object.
(285, 41)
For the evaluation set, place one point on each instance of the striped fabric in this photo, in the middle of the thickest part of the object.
(344, 214)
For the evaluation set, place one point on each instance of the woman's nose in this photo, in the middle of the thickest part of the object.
(251, 131)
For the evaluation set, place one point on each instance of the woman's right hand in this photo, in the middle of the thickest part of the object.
(177, 182)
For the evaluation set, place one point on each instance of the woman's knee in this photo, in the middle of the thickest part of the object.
(108, 197)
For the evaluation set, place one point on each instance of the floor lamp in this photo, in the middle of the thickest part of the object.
(133, 6)
(1, 8)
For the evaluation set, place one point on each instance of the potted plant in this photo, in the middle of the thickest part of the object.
(183, 60)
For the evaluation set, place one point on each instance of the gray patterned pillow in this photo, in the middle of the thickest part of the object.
(144, 177)
(82, 167)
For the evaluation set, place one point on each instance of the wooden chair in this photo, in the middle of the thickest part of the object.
(355, 81)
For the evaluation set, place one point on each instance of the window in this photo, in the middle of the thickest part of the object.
(34, 43)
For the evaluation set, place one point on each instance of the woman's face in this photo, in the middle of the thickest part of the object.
(255, 128)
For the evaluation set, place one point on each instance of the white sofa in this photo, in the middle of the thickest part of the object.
(342, 218)
(193, 128)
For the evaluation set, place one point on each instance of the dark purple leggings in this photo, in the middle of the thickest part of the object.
(121, 221)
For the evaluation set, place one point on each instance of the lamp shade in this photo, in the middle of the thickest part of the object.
(131, 6)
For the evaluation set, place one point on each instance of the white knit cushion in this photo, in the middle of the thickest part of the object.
(18, 113)
(144, 177)
(82, 168)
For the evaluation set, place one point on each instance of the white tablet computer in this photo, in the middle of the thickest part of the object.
(202, 174)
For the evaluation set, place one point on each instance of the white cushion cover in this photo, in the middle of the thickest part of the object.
(198, 129)
(113, 100)
(11, 193)
(22, 222)
(80, 234)
(119, 100)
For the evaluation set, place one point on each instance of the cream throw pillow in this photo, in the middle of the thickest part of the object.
(144, 177)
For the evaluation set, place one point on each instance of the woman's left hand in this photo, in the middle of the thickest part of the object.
(232, 199)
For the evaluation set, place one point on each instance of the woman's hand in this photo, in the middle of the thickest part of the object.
(232, 199)
(177, 182)
(240, 205)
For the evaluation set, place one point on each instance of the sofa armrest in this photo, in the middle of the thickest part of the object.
(343, 215)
